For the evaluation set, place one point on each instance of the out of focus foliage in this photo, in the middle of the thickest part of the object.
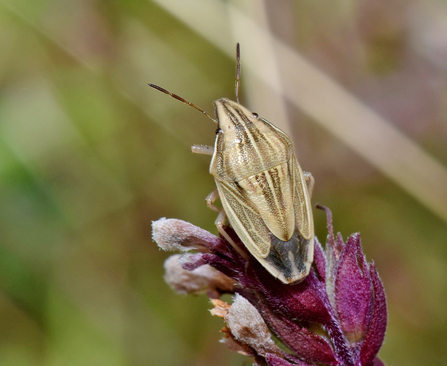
(89, 155)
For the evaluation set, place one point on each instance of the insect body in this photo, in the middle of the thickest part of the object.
(264, 193)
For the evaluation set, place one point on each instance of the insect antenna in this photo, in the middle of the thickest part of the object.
(183, 100)
(238, 70)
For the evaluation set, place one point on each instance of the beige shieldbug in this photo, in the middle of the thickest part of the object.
(264, 193)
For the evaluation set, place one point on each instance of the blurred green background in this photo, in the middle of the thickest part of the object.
(90, 155)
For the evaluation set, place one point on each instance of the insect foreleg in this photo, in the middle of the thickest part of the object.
(310, 182)
(202, 149)
(220, 222)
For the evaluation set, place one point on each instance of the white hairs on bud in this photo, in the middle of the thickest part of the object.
(247, 326)
(204, 279)
(179, 235)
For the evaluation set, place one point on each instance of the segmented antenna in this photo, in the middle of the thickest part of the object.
(238, 70)
(183, 100)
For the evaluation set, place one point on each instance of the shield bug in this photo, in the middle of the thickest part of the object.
(264, 193)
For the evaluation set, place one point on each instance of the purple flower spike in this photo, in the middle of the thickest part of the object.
(376, 332)
(336, 316)
(353, 291)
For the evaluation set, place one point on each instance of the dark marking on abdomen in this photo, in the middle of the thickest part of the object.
(279, 253)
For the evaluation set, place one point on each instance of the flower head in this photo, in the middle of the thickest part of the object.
(336, 316)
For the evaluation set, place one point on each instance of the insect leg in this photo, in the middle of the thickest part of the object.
(202, 149)
(310, 182)
(210, 199)
(220, 222)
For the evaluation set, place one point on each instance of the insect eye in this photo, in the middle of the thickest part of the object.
(255, 115)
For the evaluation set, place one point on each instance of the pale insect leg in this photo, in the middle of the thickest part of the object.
(220, 221)
(202, 149)
(310, 182)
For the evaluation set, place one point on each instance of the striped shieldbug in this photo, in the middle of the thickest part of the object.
(264, 193)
